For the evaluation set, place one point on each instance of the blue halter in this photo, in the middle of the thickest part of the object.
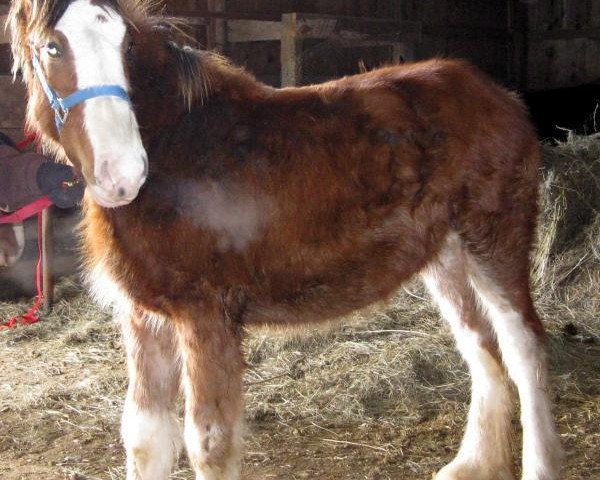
(61, 106)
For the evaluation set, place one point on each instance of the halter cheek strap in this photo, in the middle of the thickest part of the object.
(61, 106)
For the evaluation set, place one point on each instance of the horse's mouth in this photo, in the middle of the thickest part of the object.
(109, 200)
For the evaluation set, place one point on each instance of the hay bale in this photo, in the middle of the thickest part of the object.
(566, 265)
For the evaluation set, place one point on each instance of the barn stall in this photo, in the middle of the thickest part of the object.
(382, 395)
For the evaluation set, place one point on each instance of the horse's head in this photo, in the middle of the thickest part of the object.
(79, 45)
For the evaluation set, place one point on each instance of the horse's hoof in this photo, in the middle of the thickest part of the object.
(468, 471)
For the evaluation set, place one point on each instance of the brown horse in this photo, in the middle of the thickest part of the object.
(215, 202)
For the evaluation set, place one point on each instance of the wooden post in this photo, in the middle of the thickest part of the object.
(217, 27)
(47, 273)
(291, 51)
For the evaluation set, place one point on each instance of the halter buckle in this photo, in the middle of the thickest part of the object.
(61, 111)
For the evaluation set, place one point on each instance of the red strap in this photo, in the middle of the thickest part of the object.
(33, 314)
(27, 211)
(30, 137)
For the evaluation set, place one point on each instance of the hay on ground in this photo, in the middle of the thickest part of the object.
(386, 382)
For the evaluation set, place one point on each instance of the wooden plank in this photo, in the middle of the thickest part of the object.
(196, 21)
(475, 13)
(357, 43)
(326, 26)
(545, 15)
(47, 259)
(5, 59)
(559, 63)
(565, 34)
(592, 65)
(12, 103)
(594, 18)
(499, 34)
(431, 12)
(206, 14)
(4, 34)
(291, 51)
(217, 28)
(239, 31)
(575, 14)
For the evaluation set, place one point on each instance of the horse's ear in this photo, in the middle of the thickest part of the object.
(18, 23)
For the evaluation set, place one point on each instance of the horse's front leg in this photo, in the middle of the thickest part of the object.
(212, 382)
(151, 433)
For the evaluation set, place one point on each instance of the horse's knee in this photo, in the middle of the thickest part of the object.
(213, 449)
(152, 442)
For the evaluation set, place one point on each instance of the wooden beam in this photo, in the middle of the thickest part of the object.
(446, 31)
(206, 14)
(47, 259)
(565, 34)
(239, 31)
(4, 34)
(217, 27)
(5, 59)
(291, 51)
(327, 26)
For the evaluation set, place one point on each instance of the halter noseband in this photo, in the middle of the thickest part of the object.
(61, 106)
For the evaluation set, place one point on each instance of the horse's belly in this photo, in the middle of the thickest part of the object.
(330, 284)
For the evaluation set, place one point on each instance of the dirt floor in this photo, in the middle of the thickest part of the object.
(382, 395)
(310, 415)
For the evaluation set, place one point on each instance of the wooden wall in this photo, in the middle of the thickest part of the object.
(528, 44)
(357, 8)
(564, 43)
(322, 59)
(12, 94)
(531, 45)
(368, 8)
(470, 29)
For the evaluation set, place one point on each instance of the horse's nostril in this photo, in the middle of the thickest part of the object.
(121, 192)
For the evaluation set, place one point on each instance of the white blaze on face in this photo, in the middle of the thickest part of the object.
(95, 36)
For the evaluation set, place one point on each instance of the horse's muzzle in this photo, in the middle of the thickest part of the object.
(115, 187)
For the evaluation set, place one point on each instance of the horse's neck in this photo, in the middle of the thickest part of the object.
(228, 89)
(228, 82)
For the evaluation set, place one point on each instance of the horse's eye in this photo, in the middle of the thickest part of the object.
(130, 48)
(53, 50)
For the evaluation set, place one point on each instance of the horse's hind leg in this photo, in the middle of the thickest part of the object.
(150, 431)
(212, 383)
(502, 284)
(485, 452)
